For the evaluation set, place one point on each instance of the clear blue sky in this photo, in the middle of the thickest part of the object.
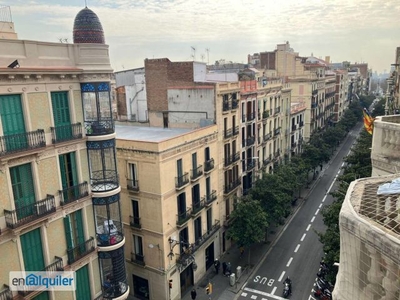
(354, 30)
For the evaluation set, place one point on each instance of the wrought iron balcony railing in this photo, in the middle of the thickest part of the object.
(277, 131)
(20, 142)
(235, 103)
(66, 133)
(6, 293)
(235, 131)
(31, 212)
(73, 193)
(197, 206)
(196, 173)
(211, 197)
(294, 145)
(301, 124)
(228, 133)
(265, 114)
(231, 159)
(209, 165)
(226, 106)
(99, 127)
(250, 141)
(250, 164)
(81, 250)
(104, 180)
(183, 217)
(135, 222)
(182, 180)
(277, 110)
(137, 259)
(132, 185)
(232, 185)
(294, 127)
(267, 160)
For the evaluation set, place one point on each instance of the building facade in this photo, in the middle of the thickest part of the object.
(56, 131)
(171, 215)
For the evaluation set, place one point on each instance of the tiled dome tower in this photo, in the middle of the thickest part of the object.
(87, 28)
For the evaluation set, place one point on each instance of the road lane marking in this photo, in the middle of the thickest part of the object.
(280, 277)
(342, 164)
(302, 238)
(316, 213)
(253, 297)
(312, 220)
(243, 294)
(320, 205)
(308, 227)
(323, 200)
(289, 262)
(273, 290)
(297, 248)
(263, 294)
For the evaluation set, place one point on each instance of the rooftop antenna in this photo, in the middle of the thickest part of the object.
(194, 53)
(208, 55)
(202, 57)
(85, 3)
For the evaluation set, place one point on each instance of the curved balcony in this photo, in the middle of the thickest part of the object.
(99, 127)
(104, 180)
(109, 234)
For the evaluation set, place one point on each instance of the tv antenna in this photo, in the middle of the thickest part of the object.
(208, 55)
(202, 57)
(194, 53)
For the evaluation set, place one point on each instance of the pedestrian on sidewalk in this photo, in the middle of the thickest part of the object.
(217, 265)
(224, 268)
(193, 293)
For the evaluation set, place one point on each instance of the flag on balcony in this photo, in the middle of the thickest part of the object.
(368, 121)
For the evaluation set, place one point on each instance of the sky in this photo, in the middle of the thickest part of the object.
(346, 30)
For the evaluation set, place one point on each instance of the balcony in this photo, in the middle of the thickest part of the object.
(314, 92)
(80, 250)
(294, 145)
(208, 165)
(183, 217)
(6, 294)
(211, 197)
(57, 265)
(232, 186)
(250, 117)
(21, 142)
(301, 124)
(236, 131)
(99, 127)
(104, 180)
(277, 131)
(135, 222)
(227, 133)
(29, 213)
(225, 106)
(313, 104)
(137, 259)
(250, 164)
(294, 127)
(73, 193)
(277, 153)
(66, 133)
(181, 181)
(197, 206)
(132, 185)
(196, 173)
(267, 160)
(277, 110)
(250, 141)
(231, 159)
(186, 257)
(265, 115)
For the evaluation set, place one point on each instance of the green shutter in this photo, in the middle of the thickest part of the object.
(69, 176)
(82, 284)
(31, 244)
(80, 238)
(61, 115)
(23, 190)
(12, 120)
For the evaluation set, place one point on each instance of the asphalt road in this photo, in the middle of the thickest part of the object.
(297, 252)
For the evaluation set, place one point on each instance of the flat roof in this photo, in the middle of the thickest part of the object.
(148, 134)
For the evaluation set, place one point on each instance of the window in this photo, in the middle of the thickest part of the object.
(74, 235)
(69, 177)
(197, 229)
(31, 244)
(61, 115)
(135, 213)
(179, 168)
(82, 284)
(138, 248)
(184, 239)
(23, 190)
(227, 208)
(181, 203)
(209, 220)
(132, 172)
(196, 195)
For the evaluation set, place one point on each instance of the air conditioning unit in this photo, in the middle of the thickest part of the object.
(133, 117)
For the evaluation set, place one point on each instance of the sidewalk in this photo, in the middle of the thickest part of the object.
(221, 287)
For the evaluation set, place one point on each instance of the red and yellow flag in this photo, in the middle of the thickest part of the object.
(368, 121)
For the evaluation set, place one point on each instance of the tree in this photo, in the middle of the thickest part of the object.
(250, 221)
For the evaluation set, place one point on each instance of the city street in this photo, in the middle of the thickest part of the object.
(297, 252)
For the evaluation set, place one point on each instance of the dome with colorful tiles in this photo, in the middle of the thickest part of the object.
(87, 28)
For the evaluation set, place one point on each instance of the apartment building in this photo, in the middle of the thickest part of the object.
(392, 93)
(330, 99)
(341, 98)
(297, 111)
(171, 211)
(60, 204)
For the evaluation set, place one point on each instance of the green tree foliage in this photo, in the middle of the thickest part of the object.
(250, 221)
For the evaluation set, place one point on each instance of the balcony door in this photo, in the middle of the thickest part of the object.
(74, 234)
(32, 252)
(138, 248)
(23, 190)
(61, 115)
(69, 176)
(12, 121)
(82, 291)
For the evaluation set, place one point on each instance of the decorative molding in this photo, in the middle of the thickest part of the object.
(67, 149)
